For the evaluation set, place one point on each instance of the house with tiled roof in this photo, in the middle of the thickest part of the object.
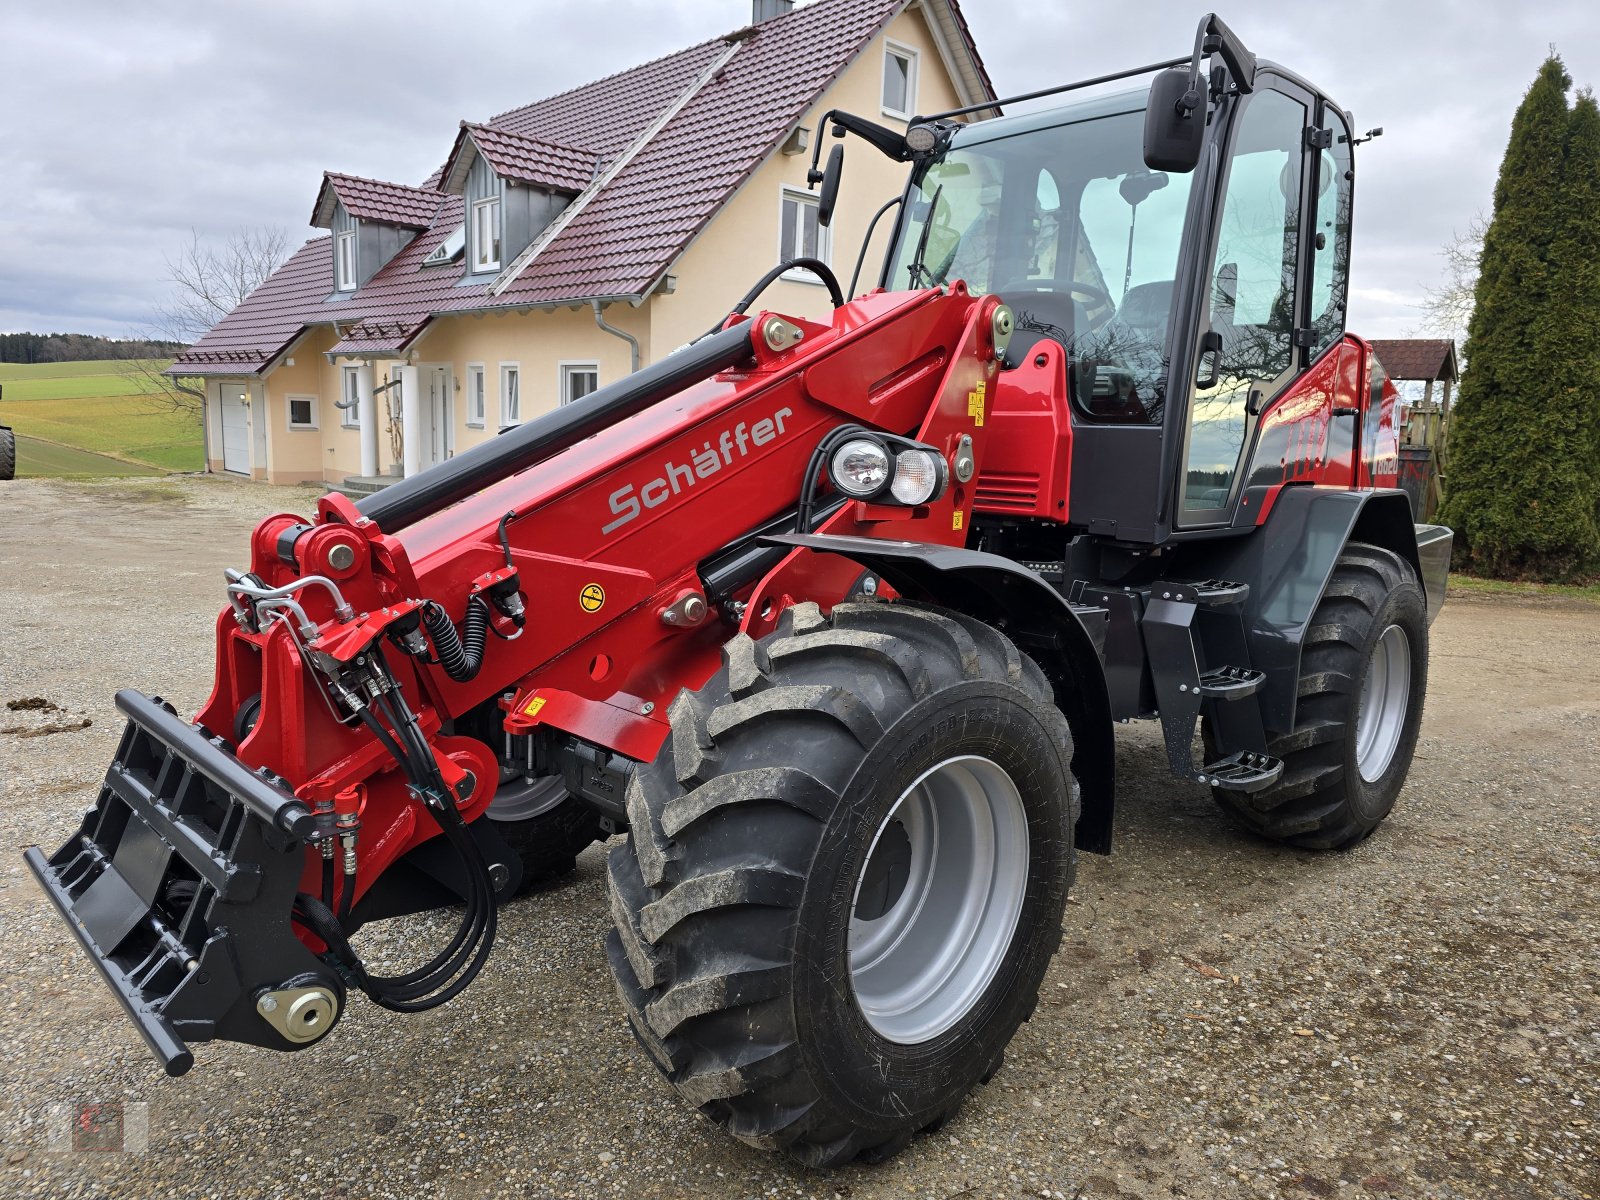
(563, 244)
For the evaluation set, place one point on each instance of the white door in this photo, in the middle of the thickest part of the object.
(441, 427)
(235, 428)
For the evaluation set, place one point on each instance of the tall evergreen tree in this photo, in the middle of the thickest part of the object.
(1520, 491)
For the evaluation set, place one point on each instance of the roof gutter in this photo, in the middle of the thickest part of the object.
(633, 342)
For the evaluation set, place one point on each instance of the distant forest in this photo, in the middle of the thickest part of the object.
(78, 347)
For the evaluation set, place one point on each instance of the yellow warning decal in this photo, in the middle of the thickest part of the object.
(975, 402)
(955, 519)
(592, 598)
(531, 709)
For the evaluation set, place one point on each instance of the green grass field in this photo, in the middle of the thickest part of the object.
(95, 416)
(46, 460)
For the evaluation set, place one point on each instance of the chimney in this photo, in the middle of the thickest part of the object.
(765, 10)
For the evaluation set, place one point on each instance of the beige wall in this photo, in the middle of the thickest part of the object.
(298, 455)
(537, 342)
(732, 251)
(742, 241)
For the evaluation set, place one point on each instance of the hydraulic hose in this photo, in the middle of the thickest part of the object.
(450, 971)
(459, 653)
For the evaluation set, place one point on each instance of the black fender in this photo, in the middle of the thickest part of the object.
(1288, 561)
(1032, 613)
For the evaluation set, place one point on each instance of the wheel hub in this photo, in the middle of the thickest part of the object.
(938, 899)
(1384, 702)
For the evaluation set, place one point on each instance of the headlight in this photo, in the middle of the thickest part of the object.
(860, 468)
(918, 476)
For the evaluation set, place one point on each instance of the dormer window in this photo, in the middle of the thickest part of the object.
(344, 261)
(486, 234)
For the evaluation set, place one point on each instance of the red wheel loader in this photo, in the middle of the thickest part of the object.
(835, 620)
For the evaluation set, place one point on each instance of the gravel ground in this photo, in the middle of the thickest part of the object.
(1226, 1018)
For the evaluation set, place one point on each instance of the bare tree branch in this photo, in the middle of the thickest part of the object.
(207, 283)
(1447, 308)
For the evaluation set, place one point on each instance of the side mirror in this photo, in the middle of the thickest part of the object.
(829, 195)
(1173, 136)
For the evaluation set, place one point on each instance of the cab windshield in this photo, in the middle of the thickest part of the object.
(1067, 225)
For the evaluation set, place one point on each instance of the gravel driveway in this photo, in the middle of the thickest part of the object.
(1226, 1018)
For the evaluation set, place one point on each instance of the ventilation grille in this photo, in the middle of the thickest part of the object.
(1008, 491)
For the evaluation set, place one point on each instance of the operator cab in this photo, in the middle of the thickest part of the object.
(1185, 301)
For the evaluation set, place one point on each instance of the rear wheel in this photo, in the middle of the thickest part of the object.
(1363, 674)
(845, 876)
(8, 453)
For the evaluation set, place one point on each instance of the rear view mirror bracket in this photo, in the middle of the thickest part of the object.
(1175, 118)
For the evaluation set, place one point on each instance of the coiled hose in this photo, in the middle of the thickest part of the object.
(459, 653)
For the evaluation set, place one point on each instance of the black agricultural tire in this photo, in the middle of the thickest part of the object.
(549, 844)
(8, 454)
(1322, 802)
(733, 895)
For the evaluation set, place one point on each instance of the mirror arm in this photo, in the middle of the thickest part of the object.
(886, 141)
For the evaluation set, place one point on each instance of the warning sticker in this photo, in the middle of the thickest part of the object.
(531, 709)
(592, 598)
(955, 519)
(975, 403)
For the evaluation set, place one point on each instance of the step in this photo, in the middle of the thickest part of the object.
(1231, 683)
(357, 486)
(1207, 593)
(1245, 771)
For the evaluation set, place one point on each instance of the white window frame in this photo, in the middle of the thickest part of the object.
(350, 389)
(478, 206)
(289, 401)
(566, 369)
(805, 199)
(912, 60)
(506, 416)
(344, 261)
(477, 396)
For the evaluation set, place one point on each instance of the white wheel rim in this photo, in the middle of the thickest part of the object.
(923, 952)
(1385, 699)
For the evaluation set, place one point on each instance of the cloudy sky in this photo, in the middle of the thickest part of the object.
(127, 125)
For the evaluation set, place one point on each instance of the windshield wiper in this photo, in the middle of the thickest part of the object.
(916, 271)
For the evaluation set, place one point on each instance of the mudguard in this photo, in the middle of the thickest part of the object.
(1288, 562)
(1034, 615)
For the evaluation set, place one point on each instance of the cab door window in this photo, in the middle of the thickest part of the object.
(1330, 238)
(1248, 342)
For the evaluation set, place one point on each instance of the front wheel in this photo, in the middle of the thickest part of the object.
(845, 876)
(1363, 674)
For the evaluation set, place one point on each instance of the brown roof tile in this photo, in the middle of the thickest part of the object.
(1417, 358)
(524, 159)
(375, 200)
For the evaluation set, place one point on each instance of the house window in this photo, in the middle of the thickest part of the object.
(350, 410)
(899, 81)
(345, 261)
(510, 394)
(578, 380)
(302, 412)
(486, 235)
(799, 234)
(477, 401)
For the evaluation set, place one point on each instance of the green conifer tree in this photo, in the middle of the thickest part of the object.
(1521, 490)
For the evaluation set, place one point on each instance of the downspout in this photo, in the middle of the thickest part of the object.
(633, 342)
(205, 422)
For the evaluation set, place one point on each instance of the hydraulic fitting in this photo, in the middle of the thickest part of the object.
(322, 814)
